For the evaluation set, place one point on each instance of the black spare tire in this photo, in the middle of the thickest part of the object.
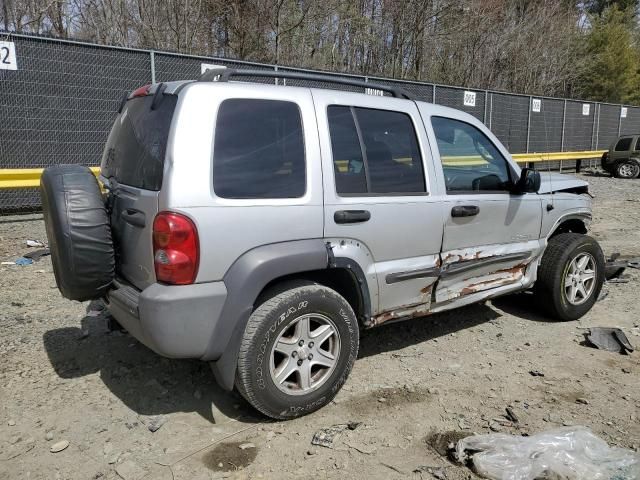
(78, 230)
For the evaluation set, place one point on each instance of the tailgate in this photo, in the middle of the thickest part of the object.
(132, 167)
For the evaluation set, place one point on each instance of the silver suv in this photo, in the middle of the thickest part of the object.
(261, 228)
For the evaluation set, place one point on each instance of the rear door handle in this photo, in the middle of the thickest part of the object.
(351, 216)
(134, 217)
(465, 210)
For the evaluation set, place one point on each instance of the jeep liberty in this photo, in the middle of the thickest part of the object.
(260, 227)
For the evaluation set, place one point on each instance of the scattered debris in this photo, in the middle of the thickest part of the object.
(626, 370)
(571, 452)
(436, 472)
(511, 415)
(22, 261)
(610, 339)
(37, 254)
(583, 401)
(59, 446)
(393, 467)
(154, 423)
(244, 446)
(35, 243)
(634, 263)
(619, 280)
(444, 443)
(11, 423)
(613, 267)
(326, 436)
(48, 436)
(536, 373)
(604, 293)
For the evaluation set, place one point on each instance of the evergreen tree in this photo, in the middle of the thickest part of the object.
(611, 64)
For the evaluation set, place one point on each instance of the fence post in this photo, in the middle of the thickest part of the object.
(486, 101)
(491, 112)
(620, 120)
(529, 122)
(598, 128)
(152, 56)
(564, 119)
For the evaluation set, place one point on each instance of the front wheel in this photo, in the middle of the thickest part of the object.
(297, 351)
(627, 170)
(570, 276)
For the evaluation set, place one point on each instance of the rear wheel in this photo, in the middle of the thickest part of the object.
(627, 170)
(570, 276)
(298, 349)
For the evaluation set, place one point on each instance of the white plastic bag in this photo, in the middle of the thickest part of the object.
(572, 453)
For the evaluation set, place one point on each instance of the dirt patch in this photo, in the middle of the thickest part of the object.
(229, 457)
(388, 398)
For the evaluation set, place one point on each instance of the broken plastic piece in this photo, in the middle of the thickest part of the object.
(613, 267)
(23, 261)
(326, 436)
(610, 339)
(569, 453)
(35, 243)
(37, 254)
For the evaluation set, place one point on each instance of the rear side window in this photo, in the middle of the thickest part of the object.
(136, 147)
(637, 144)
(623, 144)
(374, 152)
(258, 150)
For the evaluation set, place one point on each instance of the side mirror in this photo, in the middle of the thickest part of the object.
(529, 181)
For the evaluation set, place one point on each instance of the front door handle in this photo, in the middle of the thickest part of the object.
(465, 210)
(351, 216)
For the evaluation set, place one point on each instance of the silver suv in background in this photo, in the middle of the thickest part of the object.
(260, 228)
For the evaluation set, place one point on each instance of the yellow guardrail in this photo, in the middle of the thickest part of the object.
(26, 177)
(30, 177)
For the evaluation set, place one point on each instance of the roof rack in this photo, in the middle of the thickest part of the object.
(224, 74)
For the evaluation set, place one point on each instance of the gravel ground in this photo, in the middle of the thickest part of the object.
(65, 378)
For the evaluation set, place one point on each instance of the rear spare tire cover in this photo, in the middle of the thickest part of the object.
(78, 230)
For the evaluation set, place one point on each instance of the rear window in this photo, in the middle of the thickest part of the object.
(136, 147)
(259, 150)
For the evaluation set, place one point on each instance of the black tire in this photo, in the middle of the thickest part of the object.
(78, 230)
(550, 289)
(273, 317)
(627, 169)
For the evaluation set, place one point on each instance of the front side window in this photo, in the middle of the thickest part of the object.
(623, 144)
(374, 152)
(259, 150)
(470, 161)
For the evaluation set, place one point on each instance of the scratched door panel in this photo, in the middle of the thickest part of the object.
(491, 249)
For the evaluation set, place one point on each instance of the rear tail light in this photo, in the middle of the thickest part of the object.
(176, 249)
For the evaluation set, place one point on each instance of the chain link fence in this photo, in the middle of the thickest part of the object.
(58, 105)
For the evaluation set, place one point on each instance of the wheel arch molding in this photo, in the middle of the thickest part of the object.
(263, 267)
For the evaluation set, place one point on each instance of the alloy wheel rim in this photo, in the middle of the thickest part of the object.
(627, 170)
(580, 279)
(305, 354)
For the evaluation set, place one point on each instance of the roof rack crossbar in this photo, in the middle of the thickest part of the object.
(224, 75)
